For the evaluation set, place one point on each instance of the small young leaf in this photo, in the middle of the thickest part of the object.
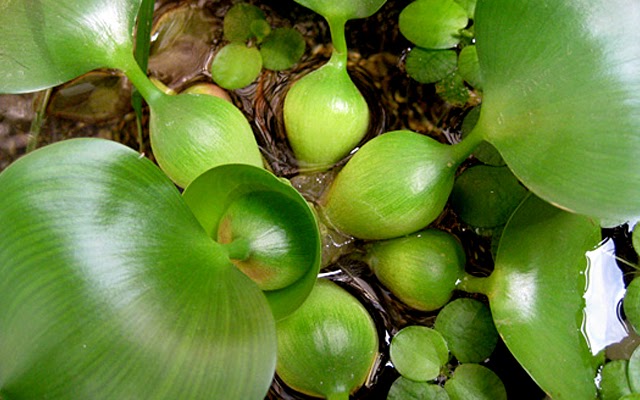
(631, 303)
(475, 382)
(433, 24)
(485, 196)
(238, 22)
(418, 352)
(406, 389)
(469, 67)
(422, 270)
(614, 383)
(467, 327)
(453, 90)
(633, 371)
(428, 66)
(282, 49)
(236, 66)
(329, 345)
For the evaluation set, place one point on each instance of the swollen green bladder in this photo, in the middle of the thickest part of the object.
(325, 114)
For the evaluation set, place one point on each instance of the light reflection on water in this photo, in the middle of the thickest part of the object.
(602, 324)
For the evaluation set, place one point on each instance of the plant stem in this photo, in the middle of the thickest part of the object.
(36, 123)
(475, 284)
(238, 249)
(339, 40)
(147, 89)
(462, 150)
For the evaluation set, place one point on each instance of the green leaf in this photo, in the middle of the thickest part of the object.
(236, 66)
(45, 43)
(343, 10)
(433, 24)
(243, 202)
(453, 90)
(468, 328)
(422, 270)
(631, 303)
(112, 289)
(428, 66)
(469, 66)
(485, 196)
(475, 382)
(536, 296)
(561, 94)
(327, 348)
(469, 6)
(633, 371)
(396, 184)
(193, 133)
(282, 49)
(238, 22)
(406, 389)
(635, 237)
(614, 383)
(418, 352)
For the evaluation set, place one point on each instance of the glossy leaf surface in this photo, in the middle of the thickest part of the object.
(45, 43)
(536, 297)
(112, 289)
(561, 102)
(343, 10)
(282, 234)
(406, 389)
(191, 134)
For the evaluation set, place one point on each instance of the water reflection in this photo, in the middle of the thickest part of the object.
(602, 324)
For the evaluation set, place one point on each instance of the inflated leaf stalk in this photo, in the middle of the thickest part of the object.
(536, 296)
(328, 347)
(563, 110)
(418, 352)
(325, 114)
(422, 270)
(475, 382)
(112, 289)
(266, 227)
(396, 184)
(46, 44)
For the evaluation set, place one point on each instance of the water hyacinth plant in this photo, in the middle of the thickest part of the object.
(197, 276)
